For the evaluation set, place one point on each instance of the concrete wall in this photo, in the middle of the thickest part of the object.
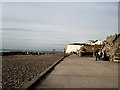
(73, 48)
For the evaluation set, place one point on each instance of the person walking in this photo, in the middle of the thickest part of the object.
(97, 55)
(106, 56)
(100, 54)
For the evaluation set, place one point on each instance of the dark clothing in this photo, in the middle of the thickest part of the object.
(97, 55)
(106, 58)
(101, 54)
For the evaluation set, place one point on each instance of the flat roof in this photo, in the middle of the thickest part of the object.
(77, 44)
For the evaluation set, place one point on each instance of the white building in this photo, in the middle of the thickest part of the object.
(74, 47)
(96, 42)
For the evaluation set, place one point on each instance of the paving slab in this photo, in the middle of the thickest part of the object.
(82, 72)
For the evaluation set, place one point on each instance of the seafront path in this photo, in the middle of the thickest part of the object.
(0, 72)
(82, 72)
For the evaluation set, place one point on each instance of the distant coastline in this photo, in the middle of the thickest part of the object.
(20, 50)
(25, 52)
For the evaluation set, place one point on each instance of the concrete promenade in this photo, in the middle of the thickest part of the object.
(0, 72)
(82, 72)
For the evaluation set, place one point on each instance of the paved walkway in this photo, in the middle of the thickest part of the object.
(82, 72)
(0, 72)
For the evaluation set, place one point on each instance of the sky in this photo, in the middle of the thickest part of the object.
(53, 25)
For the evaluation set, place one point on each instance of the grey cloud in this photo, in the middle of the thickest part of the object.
(47, 24)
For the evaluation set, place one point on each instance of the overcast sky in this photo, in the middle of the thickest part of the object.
(48, 25)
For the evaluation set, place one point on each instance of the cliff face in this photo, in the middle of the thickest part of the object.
(112, 47)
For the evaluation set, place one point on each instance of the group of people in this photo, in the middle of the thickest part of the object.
(100, 55)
